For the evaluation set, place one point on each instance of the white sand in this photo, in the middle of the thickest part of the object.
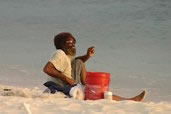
(33, 101)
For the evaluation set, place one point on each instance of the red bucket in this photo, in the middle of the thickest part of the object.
(96, 84)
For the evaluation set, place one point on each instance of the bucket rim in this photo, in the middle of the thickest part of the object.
(98, 72)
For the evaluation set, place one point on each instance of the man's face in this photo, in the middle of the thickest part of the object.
(69, 47)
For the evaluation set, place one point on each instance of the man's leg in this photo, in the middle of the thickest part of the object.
(78, 71)
(53, 87)
(139, 97)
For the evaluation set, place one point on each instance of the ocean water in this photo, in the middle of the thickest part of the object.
(132, 40)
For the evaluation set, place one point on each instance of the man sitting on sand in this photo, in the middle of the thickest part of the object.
(65, 70)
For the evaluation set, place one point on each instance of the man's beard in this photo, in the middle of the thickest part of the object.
(70, 51)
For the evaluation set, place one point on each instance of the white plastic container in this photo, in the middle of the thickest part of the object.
(108, 95)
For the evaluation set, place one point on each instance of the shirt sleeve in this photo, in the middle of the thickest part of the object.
(58, 59)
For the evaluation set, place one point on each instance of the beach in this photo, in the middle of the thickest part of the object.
(132, 40)
(33, 101)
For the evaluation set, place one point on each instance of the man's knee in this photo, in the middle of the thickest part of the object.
(79, 62)
(77, 65)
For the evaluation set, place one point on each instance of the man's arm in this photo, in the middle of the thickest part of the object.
(53, 72)
(90, 53)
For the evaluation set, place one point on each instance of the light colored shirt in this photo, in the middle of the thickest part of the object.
(62, 63)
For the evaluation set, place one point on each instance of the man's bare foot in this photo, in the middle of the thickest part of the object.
(139, 97)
